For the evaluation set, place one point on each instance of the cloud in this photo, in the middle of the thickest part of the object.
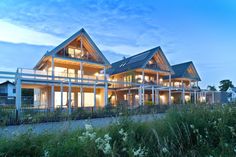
(19, 34)
(20, 55)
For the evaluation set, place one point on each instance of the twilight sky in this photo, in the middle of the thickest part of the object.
(203, 31)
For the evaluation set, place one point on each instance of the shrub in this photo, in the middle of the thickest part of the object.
(191, 131)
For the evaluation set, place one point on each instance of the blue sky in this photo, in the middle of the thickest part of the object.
(199, 30)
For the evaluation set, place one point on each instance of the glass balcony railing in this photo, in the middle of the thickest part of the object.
(62, 76)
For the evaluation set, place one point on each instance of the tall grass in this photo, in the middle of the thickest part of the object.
(197, 131)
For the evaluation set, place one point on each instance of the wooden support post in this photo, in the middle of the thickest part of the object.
(81, 86)
(61, 95)
(153, 101)
(53, 68)
(157, 79)
(129, 103)
(140, 95)
(52, 87)
(143, 76)
(52, 98)
(18, 94)
(95, 93)
(169, 89)
(143, 96)
(143, 86)
(69, 97)
(213, 97)
(106, 88)
(195, 97)
(183, 92)
(157, 96)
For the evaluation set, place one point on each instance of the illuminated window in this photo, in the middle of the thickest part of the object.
(58, 99)
(71, 72)
(125, 97)
(71, 52)
(59, 71)
(88, 99)
(74, 52)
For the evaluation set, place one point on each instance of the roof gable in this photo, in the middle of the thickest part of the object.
(7, 82)
(138, 61)
(186, 70)
(232, 89)
(84, 35)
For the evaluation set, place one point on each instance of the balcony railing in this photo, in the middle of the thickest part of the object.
(47, 75)
(156, 66)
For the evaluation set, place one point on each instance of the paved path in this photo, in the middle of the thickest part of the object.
(71, 125)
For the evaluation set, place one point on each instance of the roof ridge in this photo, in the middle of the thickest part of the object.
(136, 54)
(189, 62)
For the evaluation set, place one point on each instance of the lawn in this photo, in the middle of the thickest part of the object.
(192, 131)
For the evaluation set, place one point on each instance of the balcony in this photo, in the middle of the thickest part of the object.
(157, 67)
(42, 75)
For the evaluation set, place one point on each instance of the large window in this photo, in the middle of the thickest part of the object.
(88, 99)
(128, 79)
(58, 99)
(74, 53)
(71, 72)
(65, 99)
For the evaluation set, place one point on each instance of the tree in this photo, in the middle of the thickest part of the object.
(211, 88)
(225, 85)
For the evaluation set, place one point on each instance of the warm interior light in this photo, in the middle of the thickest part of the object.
(96, 74)
(150, 62)
(187, 98)
(162, 97)
(202, 99)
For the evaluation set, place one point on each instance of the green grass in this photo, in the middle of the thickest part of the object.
(192, 131)
(29, 116)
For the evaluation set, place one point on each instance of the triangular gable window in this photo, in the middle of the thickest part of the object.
(80, 48)
(192, 72)
(157, 62)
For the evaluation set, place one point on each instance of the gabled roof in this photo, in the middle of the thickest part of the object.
(181, 71)
(7, 82)
(69, 40)
(233, 89)
(137, 61)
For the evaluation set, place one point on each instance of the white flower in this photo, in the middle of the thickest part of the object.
(164, 150)
(104, 144)
(140, 152)
(46, 153)
(121, 131)
(88, 134)
(88, 127)
(107, 149)
(124, 134)
(192, 126)
(107, 137)
(232, 130)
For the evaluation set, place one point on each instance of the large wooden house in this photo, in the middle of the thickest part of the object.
(77, 74)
